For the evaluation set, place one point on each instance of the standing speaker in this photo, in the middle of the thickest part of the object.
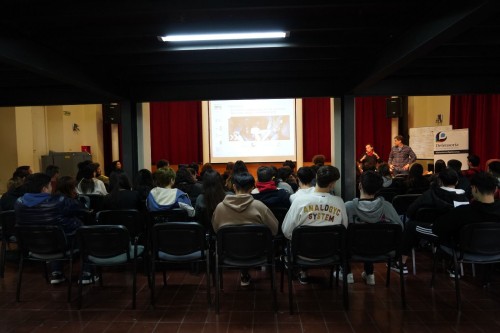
(111, 113)
(393, 107)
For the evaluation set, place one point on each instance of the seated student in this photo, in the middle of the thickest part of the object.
(39, 206)
(473, 163)
(185, 182)
(309, 209)
(89, 184)
(121, 196)
(15, 188)
(266, 190)
(442, 198)
(463, 182)
(213, 194)
(416, 182)
(370, 209)
(164, 197)
(305, 176)
(241, 208)
(143, 183)
(285, 173)
(494, 169)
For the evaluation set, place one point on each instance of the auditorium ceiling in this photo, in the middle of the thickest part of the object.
(75, 52)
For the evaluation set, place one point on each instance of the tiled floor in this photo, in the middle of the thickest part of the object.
(182, 307)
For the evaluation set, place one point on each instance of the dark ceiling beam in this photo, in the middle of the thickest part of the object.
(422, 39)
(35, 58)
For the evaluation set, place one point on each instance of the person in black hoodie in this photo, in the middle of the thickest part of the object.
(441, 198)
(266, 190)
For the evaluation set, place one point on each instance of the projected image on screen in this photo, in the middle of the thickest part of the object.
(259, 128)
(252, 130)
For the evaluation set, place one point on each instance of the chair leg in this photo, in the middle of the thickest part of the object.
(290, 287)
(402, 283)
(388, 273)
(414, 263)
(19, 278)
(457, 282)
(345, 291)
(80, 285)
(434, 263)
(134, 283)
(217, 285)
(70, 274)
(2, 257)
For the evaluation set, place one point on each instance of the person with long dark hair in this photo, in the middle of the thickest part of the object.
(89, 184)
(213, 194)
(143, 183)
(122, 196)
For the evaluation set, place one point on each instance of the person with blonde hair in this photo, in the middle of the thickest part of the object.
(164, 197)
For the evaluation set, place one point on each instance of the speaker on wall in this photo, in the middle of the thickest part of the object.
(393, 107)
(111, 113)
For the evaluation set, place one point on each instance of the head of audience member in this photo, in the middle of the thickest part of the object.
(116, 166)
(52, 171)
(38, 183)
(119, 181)
(164, 177)
(448, 178)
(289, 163)
(98, 171)
(229, 166)
(183, 176)
(494, 168)
(239, 166)
(22, 171)
(162, 164)
(369, 165)
(439, 166)
(326, 177)
(455, 165)
(370, 183)
(195, 166)
(473, 161)
(18, 178)
(66, 186)
(384, 170)
(87, 184)
(144, 177)
(243, 182)
(305, 176)
(483, 186)
(319, 160)
(398, 141)
(284, 173)
(81, 167)
(264, 174)
(416, 171)
(213, 190)
(204, 168)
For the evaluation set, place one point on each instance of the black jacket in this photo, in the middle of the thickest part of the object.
(273, 198)
(435, 197)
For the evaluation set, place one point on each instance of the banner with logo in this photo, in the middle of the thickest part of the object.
(452, 145)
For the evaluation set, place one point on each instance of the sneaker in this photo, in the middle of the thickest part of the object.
(303, 277)
(87, 278)
(395, 267)
(245, 279)
(350, 276)
(451, 272)
(57, 277)
(369, 278)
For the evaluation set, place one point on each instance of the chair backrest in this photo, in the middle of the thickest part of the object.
(245, 242)
(170, 215)
(403, 201)
(480, 238)
(7, 222)
(132, 219)
(279, 213)
(96, 202)
(103, 241)
(41, 239)
(318, 242)
(179, 238)
(387, 193)
(373, 238)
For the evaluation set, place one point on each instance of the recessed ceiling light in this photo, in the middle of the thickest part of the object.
(230, 36)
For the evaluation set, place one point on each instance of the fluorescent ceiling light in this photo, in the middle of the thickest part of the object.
(232, 36)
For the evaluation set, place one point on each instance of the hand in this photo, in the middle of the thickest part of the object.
(406, 167)
(391, 167)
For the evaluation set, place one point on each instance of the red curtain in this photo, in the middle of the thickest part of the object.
(372, 126)
(316, 127)
(176, 133)
(481, 115)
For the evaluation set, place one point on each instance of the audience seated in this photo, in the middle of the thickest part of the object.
(370, 209)
(121, 196)
(267, 191)
(473, 164)
(305, 176)
(463, 182)
(185, 182)
(15, 188)
(241, 208)
(416, 182)
(143, 183)
(494, 169)
(213, 194)
(441, 198)
(164, 197)
(317, 208)
(286, 177)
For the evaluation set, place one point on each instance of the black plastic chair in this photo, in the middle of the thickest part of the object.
(401, 203)
(478, 243)
(7, 236)
(426, 217)
(132, 219)
(244, 246)
(43, 243)
(314, 247)
(107, 245)
(179, 243)
(170, 215)
(376, 242)
(387, 193)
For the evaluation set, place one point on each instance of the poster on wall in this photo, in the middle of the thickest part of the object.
(422, 140)
(452, 144)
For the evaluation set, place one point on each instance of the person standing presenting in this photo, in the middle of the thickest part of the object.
(401, 157)
(370, 157)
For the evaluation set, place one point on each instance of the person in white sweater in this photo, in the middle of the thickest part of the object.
(317, 208)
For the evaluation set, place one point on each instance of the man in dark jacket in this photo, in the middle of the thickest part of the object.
(442, 199)
(266, 190)
(38, 206)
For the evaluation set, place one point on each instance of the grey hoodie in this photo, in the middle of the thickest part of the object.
(372, 211)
